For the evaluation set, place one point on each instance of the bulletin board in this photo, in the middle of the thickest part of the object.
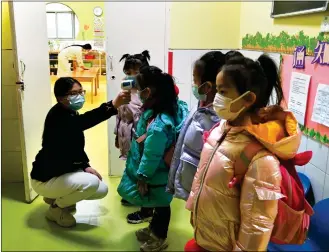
(319, 74)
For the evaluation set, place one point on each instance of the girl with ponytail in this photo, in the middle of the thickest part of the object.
(234, 210)
(146, 175)
(126, 121)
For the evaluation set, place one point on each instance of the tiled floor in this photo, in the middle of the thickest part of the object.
(101, 224)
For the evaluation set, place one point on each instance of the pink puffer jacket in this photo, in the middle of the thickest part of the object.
(227, 219)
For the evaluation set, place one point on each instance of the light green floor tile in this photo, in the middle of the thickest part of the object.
(101, 224)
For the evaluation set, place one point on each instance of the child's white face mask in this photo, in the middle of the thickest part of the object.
(222, 106)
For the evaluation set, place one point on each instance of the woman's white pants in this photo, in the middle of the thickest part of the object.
(71, 188)
(64, 67)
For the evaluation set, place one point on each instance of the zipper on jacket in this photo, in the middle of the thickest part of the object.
(219, 142)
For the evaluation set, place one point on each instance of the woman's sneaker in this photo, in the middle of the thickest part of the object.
(154, 244)
(125, 203)
(49, 201)
(139, 217)
(61, 216)
(144, 234)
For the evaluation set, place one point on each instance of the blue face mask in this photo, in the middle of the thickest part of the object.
(200, 97)
(76, 102)
(130, 78)
(143, 100)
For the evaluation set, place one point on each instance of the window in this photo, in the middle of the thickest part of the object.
(62, 23)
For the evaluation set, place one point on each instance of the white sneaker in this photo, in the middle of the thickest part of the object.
(61, 216)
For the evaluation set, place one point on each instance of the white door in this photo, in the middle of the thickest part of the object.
(132, 27)
(29, 27)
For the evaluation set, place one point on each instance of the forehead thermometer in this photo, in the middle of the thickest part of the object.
(128, 84)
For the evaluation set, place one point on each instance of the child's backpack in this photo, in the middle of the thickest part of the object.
(169, 152)
(293, 219)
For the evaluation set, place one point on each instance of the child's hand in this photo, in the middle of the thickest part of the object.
(142, 187)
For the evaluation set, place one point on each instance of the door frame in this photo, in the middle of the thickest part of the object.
(30, 194)
(168, 6)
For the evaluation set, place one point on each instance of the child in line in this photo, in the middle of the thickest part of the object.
(146, 175)
(126, 122)
(202, 118)
(241, 217)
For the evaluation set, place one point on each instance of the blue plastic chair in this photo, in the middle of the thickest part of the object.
(318, 236)
(305, 181)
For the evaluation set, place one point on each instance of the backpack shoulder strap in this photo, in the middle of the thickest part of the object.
(206, 134)
(243, 161)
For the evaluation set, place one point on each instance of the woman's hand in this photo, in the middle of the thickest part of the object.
(142, 187)
(93, 171)
(124, 97)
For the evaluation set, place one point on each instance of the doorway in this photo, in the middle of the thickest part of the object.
(71, 24)
(132, 28)
(33, 67)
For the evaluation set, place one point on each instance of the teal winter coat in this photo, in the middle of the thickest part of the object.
(145, 161)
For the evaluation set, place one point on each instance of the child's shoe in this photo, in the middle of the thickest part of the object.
(139, 217)
(143, 235)
(154, 244)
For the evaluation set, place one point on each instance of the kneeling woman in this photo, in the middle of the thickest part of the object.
(61, 171)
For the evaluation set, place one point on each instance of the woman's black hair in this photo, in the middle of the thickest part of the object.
(163, 98)
(230, 54)
(260, 77)
(209, 65)
(135, 61)
(63, 85)
(85, 46)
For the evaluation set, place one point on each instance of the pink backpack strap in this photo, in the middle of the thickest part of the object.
(243, 161)
(143, 137)
(206, 134)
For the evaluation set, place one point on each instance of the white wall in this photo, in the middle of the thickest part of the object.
(318, 169)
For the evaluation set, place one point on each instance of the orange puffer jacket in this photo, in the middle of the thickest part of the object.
(242, 217)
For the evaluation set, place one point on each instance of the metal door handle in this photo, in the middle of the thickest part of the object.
(111, 62)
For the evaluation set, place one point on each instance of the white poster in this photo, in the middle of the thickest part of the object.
(321, 105)
(299, 86)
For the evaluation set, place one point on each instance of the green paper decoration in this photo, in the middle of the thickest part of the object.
(283, 43)
(318, 136)
(314, 134)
